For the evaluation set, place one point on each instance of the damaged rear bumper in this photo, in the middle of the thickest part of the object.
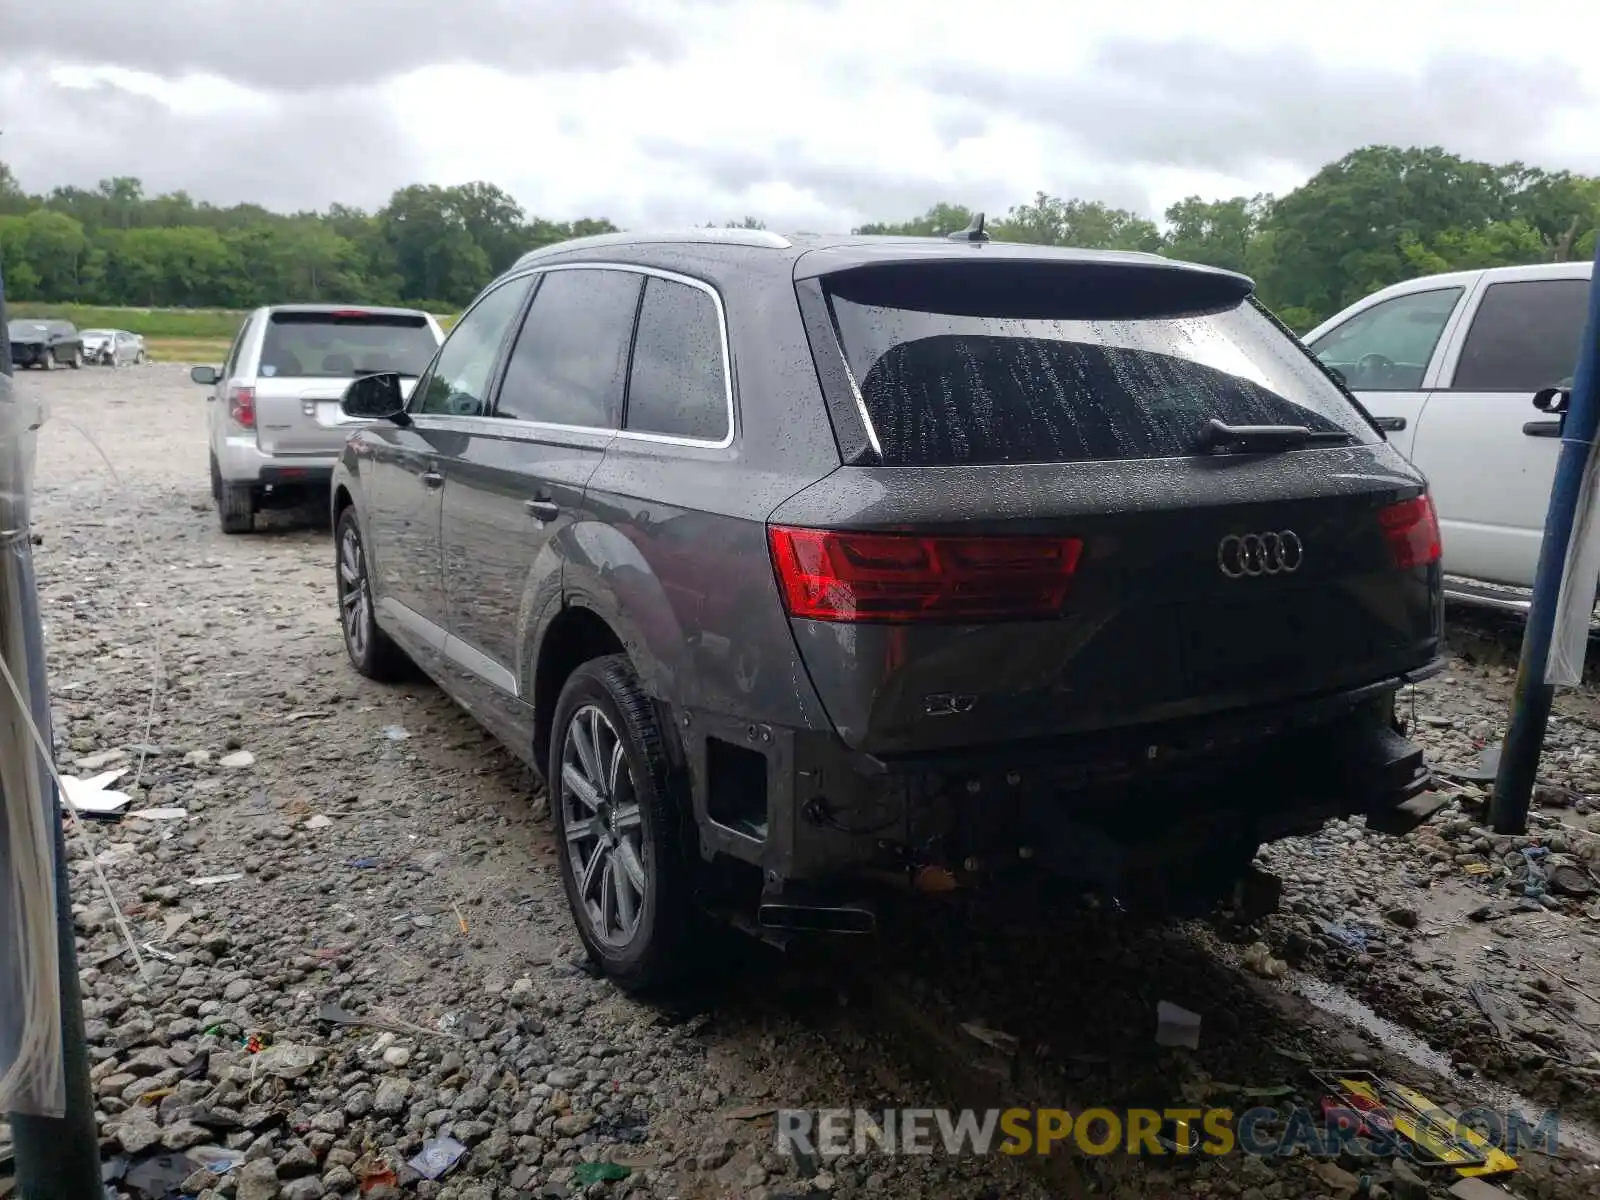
(1164, 818)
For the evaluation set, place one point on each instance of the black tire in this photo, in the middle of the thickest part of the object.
(49, 362)
(76, 361)
(371, 651)
(236, 507)
(656, 952)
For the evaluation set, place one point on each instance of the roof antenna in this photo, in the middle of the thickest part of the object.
(974, 232)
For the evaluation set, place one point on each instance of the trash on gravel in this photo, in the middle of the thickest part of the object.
(159, 814)
(1569, 879)
(217, 1159)
(1438, 1137)
(374, 1173)
(214, 880)
(363, 864)
(239, 758)
(1477, 1189)
(1177, 1026)
(1350, 939)
(319, 821)
(1260, 960)
(309, 714)
(91, 797)
(287, 1060)
(993, 1038)
(437, 1156)
(396, 733)
(160, 1175)
(597, 1172)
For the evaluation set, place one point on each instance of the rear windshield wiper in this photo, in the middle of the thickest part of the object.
(1215, 434)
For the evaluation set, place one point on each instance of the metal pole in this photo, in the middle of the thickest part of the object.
(1530, 702)
(57, 1158)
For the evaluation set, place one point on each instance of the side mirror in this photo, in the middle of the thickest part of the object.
(205, 375)
(375, 397)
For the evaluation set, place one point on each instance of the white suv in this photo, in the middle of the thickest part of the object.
(275, 423)
(1449, 365)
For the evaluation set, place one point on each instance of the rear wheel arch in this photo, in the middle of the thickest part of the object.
(575, 636)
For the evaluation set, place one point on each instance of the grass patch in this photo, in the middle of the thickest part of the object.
(151, 322)
(188, 350)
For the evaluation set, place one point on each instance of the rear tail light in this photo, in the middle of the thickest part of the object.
(242, 406)
(1412, 531)
(831, 575)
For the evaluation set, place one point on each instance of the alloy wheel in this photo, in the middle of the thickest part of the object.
(355, 598)
(604, 827)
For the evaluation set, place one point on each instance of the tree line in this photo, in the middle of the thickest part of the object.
(1375, 216)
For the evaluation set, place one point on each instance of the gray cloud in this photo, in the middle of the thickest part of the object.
(299, 156)
(1199, 105)
(872, 194)
(297, 45)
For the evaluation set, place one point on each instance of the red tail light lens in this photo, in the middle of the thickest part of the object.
(829, 575)
(1412, 530)
(242, 406)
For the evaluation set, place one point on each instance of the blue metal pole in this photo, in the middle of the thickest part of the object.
(1530, 702)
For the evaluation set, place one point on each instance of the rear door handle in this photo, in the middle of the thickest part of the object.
(1551, 429)
(544, 510)
(432, 480)
(1390, 424)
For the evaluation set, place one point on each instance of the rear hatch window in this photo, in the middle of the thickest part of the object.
(332, 345)
(961, 364)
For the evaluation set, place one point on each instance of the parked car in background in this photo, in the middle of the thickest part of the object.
(44, 343)
(1449, 365)
(274, 421)
(694, 525)
(112, 347)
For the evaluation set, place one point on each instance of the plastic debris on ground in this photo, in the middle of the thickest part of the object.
(214, 880)
(597, 1172)
(1260, 960)
(1177, 1026)
(159, 814)
(396, 733)
(92, 797)
(1350, 939)
(437, 1156)
(1438, 1137)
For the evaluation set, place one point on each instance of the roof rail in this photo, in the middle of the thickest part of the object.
(759, 238)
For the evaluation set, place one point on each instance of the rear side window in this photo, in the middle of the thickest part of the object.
(332, 345)
(1525, 336)
(571, 358)
(946, 389)
(679, 383)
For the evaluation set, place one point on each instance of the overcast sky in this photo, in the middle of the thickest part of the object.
(811, 114)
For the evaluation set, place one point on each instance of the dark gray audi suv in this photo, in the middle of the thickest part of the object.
(799, 565)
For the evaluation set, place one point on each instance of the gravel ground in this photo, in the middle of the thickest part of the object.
(397, 938)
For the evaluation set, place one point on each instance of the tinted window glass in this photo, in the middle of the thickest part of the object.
(1387, 347)
(330, 345)
(571, 356)
(943, 389)
(458, 385)
(1524, 337)
(233, 352)
(678, 386)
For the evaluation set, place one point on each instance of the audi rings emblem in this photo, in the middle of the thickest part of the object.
(1250, 554)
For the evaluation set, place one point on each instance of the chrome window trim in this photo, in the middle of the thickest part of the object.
(666, 439)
